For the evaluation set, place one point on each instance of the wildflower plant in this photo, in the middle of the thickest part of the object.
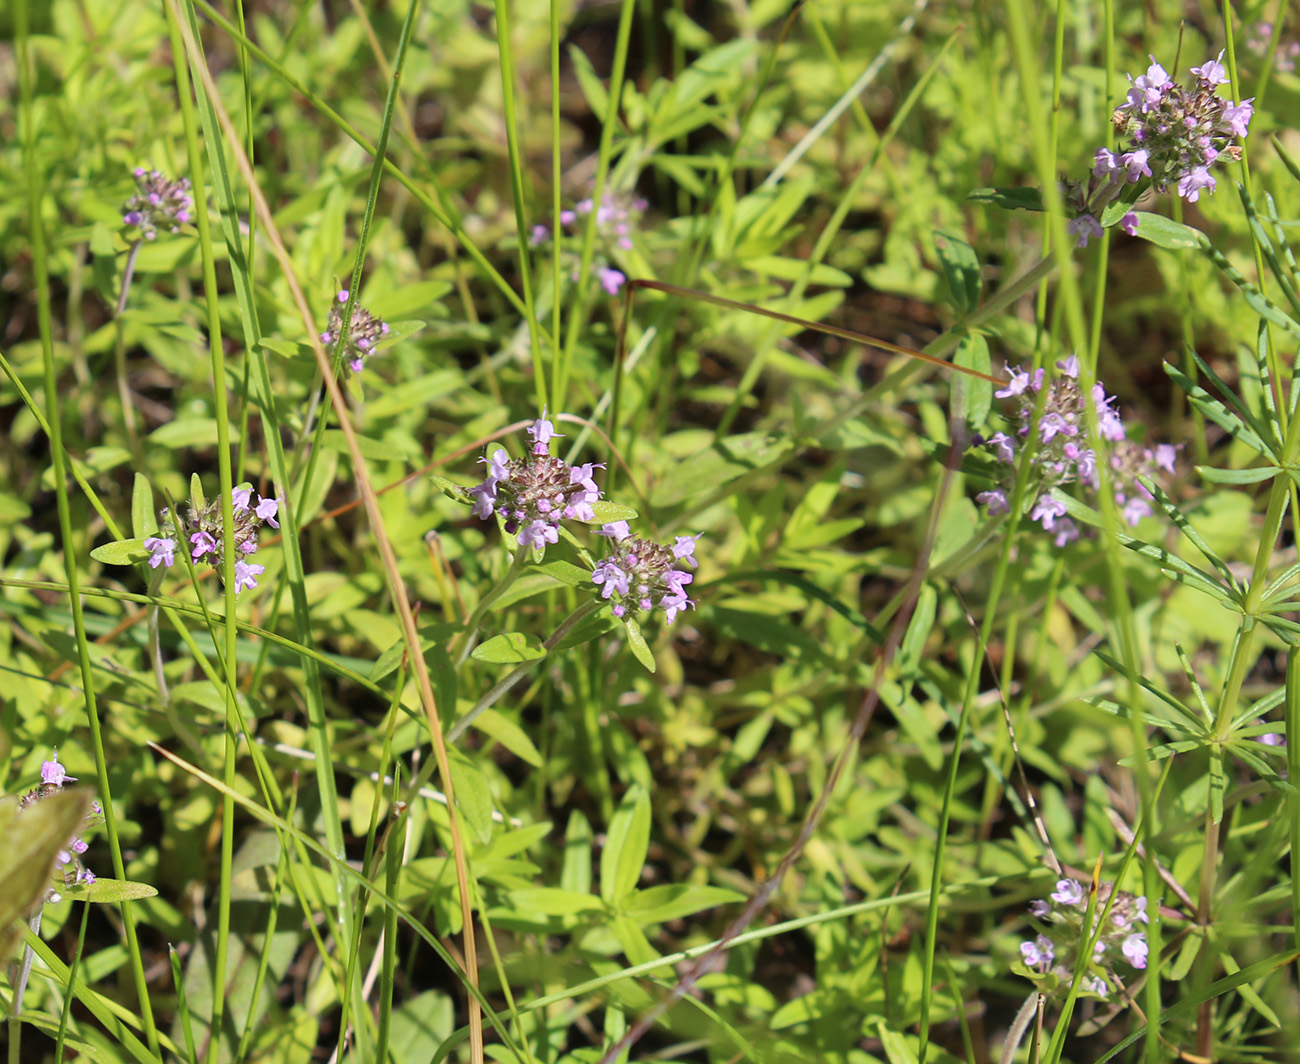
(1051, 421)
(1172, 137)
(197, 531)
(598, 818)
(1050, 957)
(533, 496)
(69, 870)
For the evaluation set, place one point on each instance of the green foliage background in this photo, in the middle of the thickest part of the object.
(612, 816)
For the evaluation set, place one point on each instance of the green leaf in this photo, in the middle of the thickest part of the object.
(1238, 476)
(961, 271)
(198, 432)
(908, 661)
(589, 82)
(973, 393)
(109, 891)
(1234, 424)
(401, 300)
(1012, 198)
(1185, 526)
(794, 269)
(510, 735)
(33, 836)
(553, 901)
(1182, 571)
(286, 348)
(626, 845)
(575, 874)
(636, 642)
(609, 512)
(565, 572)
(706, 473)
(592, 628)
(452, 490)
(121, 552)
(897, 1047)
(655, 905)
(509, 648)
(473, 796)
(633, 940)
(144, 518)
(1166, 233)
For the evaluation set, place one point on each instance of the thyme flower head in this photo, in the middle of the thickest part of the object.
(1050, 956)
(68, 868)
(535, 493)
(617, 216)
(1062, 454)
(1175, 134)
(159, 203)
(640, 575)
(364, 332)
(200, 529)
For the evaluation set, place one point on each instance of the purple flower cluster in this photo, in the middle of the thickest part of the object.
(67, 864)
(159, 203)
(1175, 135)
(1056, 949)
(1061, 455)
(365, 331)
(616, 219)
(201, 529)
(642, 575)
(535, 493)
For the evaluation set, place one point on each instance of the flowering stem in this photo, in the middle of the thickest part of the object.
(155, 645)
(517, 673)
(1016, 1033)
(476, 618)
(119, 352)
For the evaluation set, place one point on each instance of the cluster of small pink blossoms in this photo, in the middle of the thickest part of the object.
(615, 221)
(1175, 135)
(201, 529)
(642, 574)
(1061, 455)
(1055, 951)
(67, 864)
(364, 332)
(533, 494)
(159, 203)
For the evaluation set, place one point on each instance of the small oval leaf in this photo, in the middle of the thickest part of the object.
(509, 648)
(121, 552)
